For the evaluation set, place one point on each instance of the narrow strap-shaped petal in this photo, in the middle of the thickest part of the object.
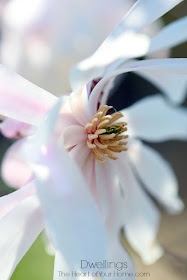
(14, 170)
(143, 13)
(141, 218)
(170, 36)
(20, 226)
(176, 86)
(170, 71)
(153, 119)
(22, 100)
(150, 164)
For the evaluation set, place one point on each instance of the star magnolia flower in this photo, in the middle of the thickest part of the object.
(81, 125)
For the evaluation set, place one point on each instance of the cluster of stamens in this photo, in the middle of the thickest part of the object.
(105, 134)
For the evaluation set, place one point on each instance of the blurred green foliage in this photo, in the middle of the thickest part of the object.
(36, 264)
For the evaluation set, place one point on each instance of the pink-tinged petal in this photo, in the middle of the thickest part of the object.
(22, 100)
(80, 153)
(73, 135)
(166, 38)
(157, 175)
(14, 170)
(19, 229)
(123, 41)
(72, 217)
(14, 129)
(141, 218)
(168, 70)
(153, 119)
(79, 106)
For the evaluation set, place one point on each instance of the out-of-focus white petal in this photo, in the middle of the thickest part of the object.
(169, 71)
(61, 266)
(69, 210)
(170, 36)
(20, 226)
(22, 100)
(157, 175)
(153, 119)
(122, 41)
(141, 218)
(73, 135)
(14, 170)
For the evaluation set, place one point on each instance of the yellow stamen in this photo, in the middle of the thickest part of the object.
(104, 134)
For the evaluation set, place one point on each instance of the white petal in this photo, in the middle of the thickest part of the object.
(111, 50)
(108, 190)
(177, 86)
(157, 175)
(171, 69)
(122, 42)
(22, 100)
(88, 171)
(153, 119)
(141, 218)
(173, 84)
(73, 220)
(112, 206)
(170, 36)
(20, 226)
(61, 268)
(70, 211)
(8, 202)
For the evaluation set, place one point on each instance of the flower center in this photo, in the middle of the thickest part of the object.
(105, 134)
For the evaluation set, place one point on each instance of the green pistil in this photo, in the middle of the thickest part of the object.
(112, 129)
